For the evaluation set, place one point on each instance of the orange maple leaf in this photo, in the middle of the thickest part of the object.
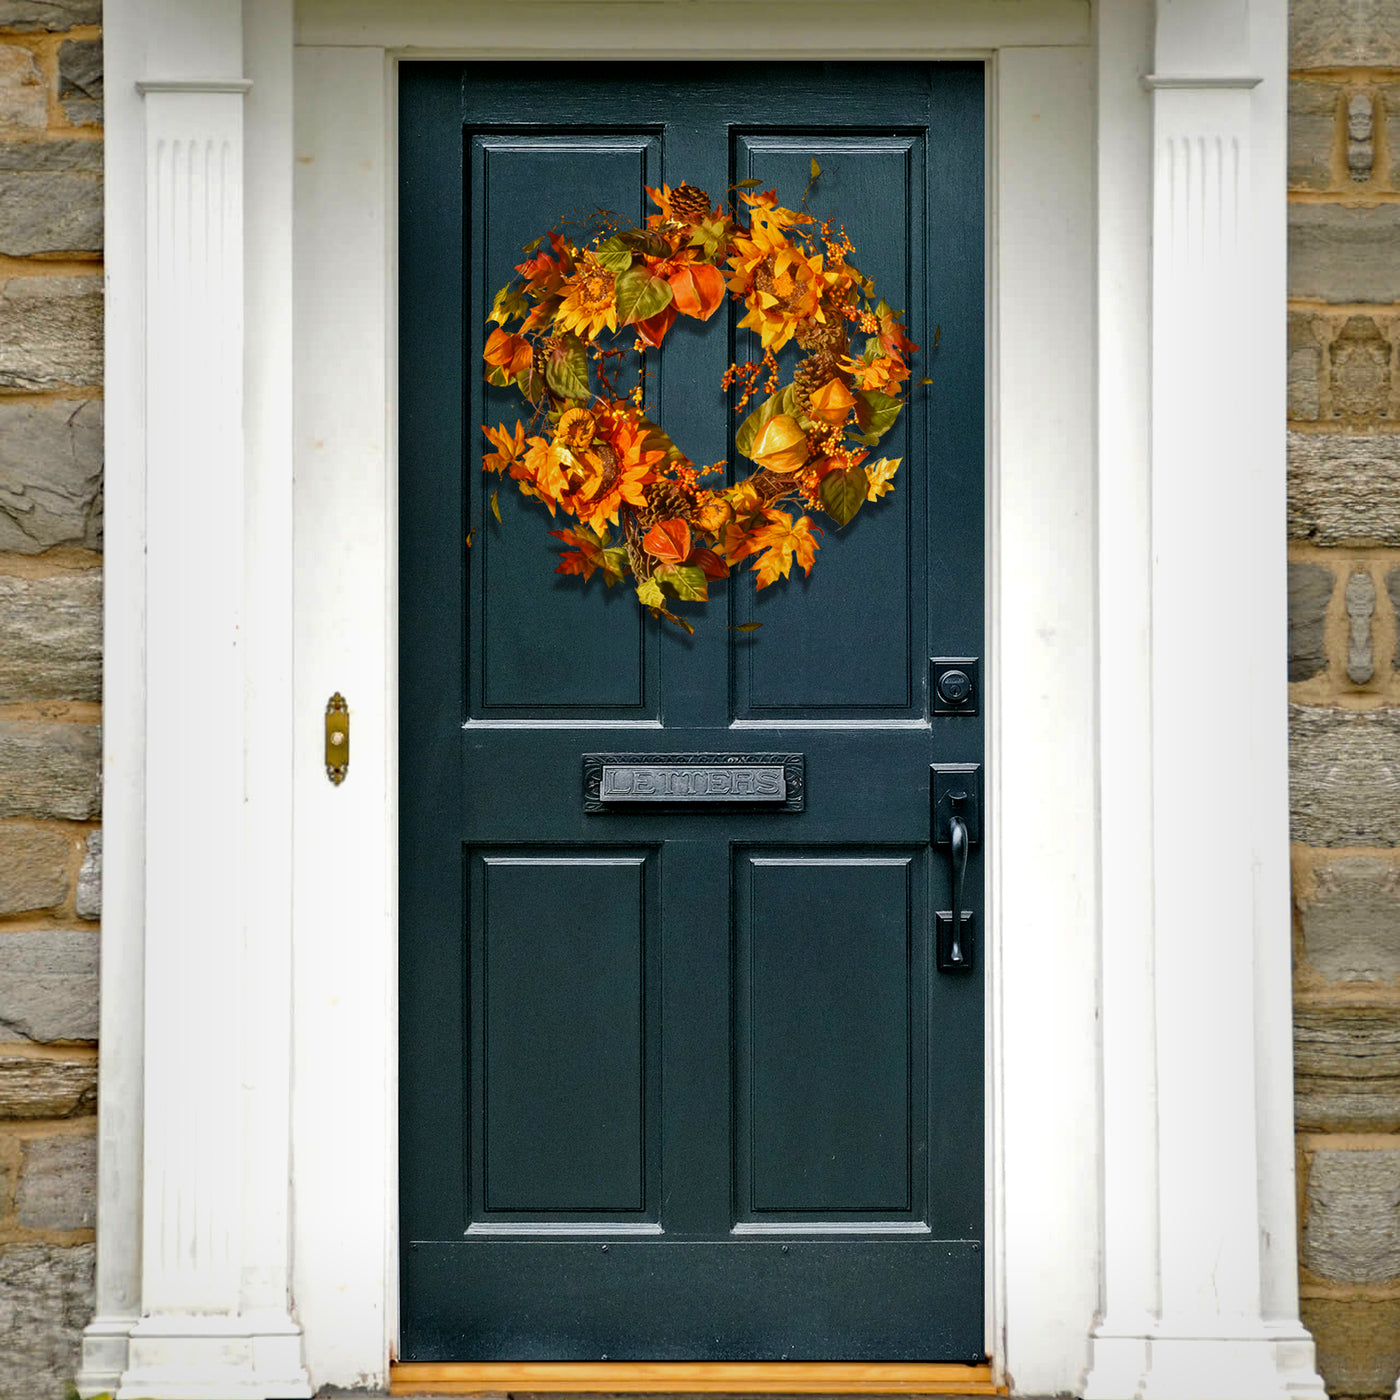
(780, 542)
(508, 447)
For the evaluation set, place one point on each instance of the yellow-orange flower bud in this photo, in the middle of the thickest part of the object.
(781, 445)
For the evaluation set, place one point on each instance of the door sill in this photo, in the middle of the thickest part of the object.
(691, 1377)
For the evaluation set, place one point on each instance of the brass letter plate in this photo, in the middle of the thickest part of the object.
(615, 781)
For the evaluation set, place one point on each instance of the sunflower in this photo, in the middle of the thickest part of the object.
(620, 472)
(576, 429)
(780, 282)
(589, 300)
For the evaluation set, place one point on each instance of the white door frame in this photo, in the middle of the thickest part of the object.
(247, 1198)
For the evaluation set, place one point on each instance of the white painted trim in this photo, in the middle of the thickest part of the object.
(1089, 1196)
(1201, 84)
(1039, 142)
(150, 85)
(193, 1291)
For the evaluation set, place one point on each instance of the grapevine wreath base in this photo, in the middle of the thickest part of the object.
(590, 452)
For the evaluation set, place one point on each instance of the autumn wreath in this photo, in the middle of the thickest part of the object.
(590, 452)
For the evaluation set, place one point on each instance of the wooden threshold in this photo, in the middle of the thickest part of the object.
(690, 1377)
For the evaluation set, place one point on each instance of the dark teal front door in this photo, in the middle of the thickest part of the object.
(686, 1083)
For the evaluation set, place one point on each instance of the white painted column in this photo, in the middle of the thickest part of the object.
(1199, 1224)
(210, 1029)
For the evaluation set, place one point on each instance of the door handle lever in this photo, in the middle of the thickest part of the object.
(955, 821)
(958, 843)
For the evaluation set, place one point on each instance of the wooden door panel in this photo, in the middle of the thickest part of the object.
(829, 964)
(566, 1053)
(540, 644)
(849, 639)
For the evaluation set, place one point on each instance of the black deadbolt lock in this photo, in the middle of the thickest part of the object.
(954, 685)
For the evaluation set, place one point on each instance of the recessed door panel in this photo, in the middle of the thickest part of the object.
(561, 995)
(544, 645)
(828, 972)
(843, 642)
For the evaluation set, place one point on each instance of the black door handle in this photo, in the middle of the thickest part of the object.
(958, 843)
(955, 820)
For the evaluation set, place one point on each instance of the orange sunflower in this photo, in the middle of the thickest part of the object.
(589, 300)
(616, 472)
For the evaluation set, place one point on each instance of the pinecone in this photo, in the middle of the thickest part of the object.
(828, 335)
(666, 501)
(811, 373)
(689, 204)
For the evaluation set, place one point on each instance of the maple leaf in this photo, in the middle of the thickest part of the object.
(880, 475)
(780, 542)
(669, 541)
(508, 447)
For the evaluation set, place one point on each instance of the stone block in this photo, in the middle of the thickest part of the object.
(28, 15)
(1360, 380)
(1392, 588)
(1304, 369)
(80, 81)
(45, 1302)
(1344, 490)
(33, 867)
(50, 332)
(1342, 254)
(89, 897)
(24, 100)
(48, 985)
(1358, 1343)
(1361, 128)
(1351, 923)
(1309, 593)
(53, 637)
(1352, 1234)
(50, 197)
(1344, 768)
(1347, 1068)
(1361, 606)
(1344, 33)
(47, 1088)
(1312, 133)
(1389, 120)
(58, 1184)
(50, 475)
(50, 770)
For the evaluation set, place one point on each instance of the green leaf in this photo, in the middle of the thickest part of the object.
(843, 493)
(875, 412)
(650, 594)
(533, 246)
(746, 627)
(686, 581)
(614, 564)
(567, 370)
(509, 305)
(640, 295)
(925, 380)
(614, 255)
(816, 169)
(644, 241)
(747, 184)
(496, 506)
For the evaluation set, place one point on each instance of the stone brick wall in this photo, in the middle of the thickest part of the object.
(50, 680)
(1344, 673)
